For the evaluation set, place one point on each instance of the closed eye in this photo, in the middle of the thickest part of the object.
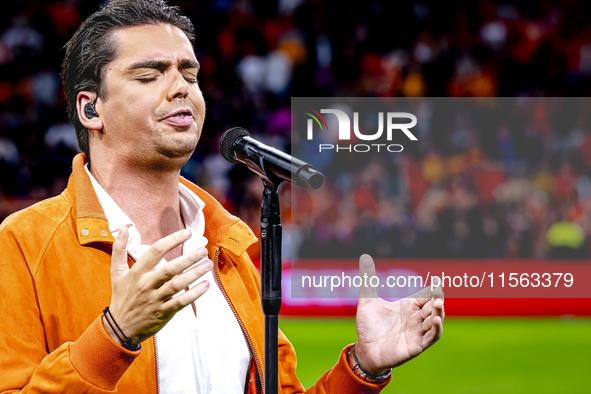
(146, 80)
(189, 76)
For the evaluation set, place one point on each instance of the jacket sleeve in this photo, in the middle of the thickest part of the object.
(340, 379)
(93, 363)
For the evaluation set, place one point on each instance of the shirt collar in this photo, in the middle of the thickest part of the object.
(191, 207)
(115, 215)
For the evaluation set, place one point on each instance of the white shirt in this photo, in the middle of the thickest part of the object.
(201, 354)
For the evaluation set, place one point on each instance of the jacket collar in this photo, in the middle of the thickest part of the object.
(221, 228)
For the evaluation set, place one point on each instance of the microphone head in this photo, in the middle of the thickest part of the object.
(227, 140)
(310, 178)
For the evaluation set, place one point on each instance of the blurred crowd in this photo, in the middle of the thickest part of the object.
(517, 190)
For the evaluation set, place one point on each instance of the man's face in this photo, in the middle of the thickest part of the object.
(154, 109)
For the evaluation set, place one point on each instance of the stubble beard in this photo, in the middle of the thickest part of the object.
(170, 153)
(179, 147)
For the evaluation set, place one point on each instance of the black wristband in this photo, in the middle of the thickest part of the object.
(360, 373)
(126, 341)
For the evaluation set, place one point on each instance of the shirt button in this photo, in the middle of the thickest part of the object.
(210, 387)
(104, 232)
(84, 232)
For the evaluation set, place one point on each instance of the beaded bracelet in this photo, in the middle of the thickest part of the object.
(126, 341)
(361, 374)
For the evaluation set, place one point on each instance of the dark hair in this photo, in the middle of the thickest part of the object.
(92, 47)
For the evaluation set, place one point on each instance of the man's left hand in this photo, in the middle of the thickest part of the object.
(392, 333)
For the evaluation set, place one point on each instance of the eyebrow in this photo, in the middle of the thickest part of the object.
(163, 64)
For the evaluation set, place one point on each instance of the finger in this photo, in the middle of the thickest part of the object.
(434, 333)
(119, 255)
(439, 308)
(175, 267)
(436, 304)
(367, 270)
(433, 324)
(431, 309)
(427, 324)
(178, 303)
(183, 280)
(157, 251)
(424, 295)
(427, 309)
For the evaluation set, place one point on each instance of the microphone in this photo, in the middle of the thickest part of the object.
(236, 145)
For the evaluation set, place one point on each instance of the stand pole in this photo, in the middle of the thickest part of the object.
(271, 281)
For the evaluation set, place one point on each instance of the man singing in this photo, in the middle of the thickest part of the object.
(129, 234)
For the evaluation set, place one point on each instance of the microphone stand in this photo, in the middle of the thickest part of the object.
(273, 167)
(271, 280)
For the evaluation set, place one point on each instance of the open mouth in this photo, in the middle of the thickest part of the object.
(182, 118)
(180, 115)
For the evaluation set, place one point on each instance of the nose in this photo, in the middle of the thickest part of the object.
(178, 88)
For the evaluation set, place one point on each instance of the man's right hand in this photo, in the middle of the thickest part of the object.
(141, 299)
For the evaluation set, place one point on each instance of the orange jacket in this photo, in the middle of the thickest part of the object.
(55, 281)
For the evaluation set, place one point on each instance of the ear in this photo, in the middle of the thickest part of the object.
(85, 97)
